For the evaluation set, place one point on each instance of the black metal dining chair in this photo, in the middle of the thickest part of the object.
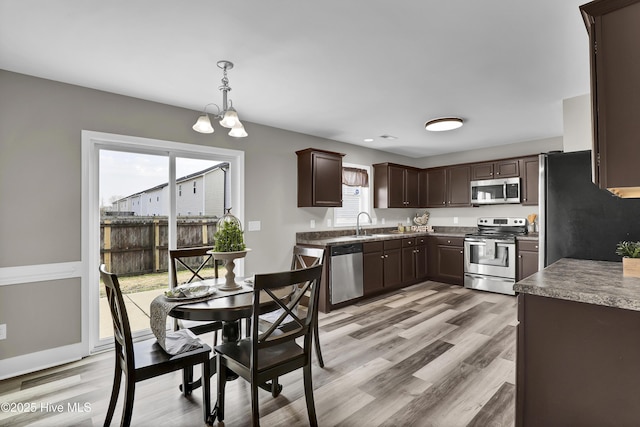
(268, 354)
(142, 360)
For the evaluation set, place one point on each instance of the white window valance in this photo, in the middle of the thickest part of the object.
(355, 177)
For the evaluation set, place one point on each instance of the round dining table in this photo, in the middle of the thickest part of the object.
(230, 310)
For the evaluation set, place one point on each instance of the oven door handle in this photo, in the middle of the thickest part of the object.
(483, 243)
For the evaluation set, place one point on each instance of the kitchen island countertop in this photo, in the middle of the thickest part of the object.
(591, 282)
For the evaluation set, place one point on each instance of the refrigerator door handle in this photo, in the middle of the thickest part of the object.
(504, 190)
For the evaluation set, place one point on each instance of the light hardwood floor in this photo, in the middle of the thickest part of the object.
(427, 355)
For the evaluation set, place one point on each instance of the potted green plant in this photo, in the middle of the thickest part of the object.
(229, 245)
(630, 252)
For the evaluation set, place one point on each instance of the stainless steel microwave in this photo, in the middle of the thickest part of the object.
(495, 191)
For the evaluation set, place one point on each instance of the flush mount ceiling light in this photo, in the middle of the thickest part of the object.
(443, 123)
(227, 114)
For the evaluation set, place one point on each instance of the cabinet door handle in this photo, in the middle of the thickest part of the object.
(382, 256)
(519, 256)
(448, 241)
(536, 246)
(461, 252)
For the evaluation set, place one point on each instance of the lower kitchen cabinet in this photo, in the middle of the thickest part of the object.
(373, 267)
(392, 263)
(414, 259)
(446, 259)
(527, 258)
(382, 265)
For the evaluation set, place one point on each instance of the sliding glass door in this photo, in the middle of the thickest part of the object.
(150, 200)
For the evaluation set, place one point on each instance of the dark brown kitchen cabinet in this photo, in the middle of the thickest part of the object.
(373, 267)
(445, 187)
(529, 181)
(614, 32)
(446, 259)
(395, 186)
(576, 364)
(414, 259)
(527, 258)
(382, 265)
(459, 185)
(433, 188)
(409, 259)
(508, 168)
(319, 178)
(392, 263)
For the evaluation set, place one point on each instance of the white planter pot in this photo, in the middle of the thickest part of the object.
(229, 264)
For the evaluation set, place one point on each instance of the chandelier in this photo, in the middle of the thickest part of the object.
(227, 114)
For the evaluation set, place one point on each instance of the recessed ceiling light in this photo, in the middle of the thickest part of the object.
(368, 140)
(443, 123)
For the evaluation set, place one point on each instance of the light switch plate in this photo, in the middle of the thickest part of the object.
(455, 219)
(312, 223)
(3, 331)
(254, 226)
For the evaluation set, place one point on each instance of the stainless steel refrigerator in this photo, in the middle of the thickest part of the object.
(577, 219)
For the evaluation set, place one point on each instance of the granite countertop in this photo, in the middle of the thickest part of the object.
(332, 238)
(591, 282)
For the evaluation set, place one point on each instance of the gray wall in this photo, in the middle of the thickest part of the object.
(40, 131)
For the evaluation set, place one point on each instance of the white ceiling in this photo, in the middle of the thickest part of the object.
(340, 69)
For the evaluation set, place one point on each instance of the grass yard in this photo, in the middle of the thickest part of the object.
(152, 281)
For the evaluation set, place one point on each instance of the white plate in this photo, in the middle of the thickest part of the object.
(189, 291)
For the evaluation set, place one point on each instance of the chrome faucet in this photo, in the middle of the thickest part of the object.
(358, 222)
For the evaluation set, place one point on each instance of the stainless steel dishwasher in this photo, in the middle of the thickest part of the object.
(346, 272)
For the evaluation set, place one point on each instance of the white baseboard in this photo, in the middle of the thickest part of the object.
(32, 362)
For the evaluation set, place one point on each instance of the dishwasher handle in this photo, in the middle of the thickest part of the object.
(352, 248)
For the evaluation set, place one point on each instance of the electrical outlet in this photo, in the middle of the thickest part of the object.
(455, 219)
(3, 331)
(312, 223)
(382, 221)
(254, 226)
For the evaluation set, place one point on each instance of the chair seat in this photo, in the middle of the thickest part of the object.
(151, 360)
(268, 357)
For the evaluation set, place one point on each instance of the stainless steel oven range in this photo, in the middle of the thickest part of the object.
(490, 254)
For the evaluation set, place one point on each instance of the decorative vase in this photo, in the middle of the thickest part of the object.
(630, 267)
(229, 264)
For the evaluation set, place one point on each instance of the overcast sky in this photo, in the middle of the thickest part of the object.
(123, 174)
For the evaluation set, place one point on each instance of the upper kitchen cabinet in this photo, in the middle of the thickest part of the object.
(530, 177)
(459, 186)
(395, 186)
(433, 187)
(319, 178)
(492, 170)
(445, 187)
(615, 93)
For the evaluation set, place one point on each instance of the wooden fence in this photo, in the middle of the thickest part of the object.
(138, 245)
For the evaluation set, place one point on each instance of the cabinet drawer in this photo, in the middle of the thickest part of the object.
(528, 245)
(409, 242)
(392, 244)
(450, 241)
(369, 247)
(421, 241)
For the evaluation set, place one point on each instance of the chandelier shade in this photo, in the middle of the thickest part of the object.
(203, 124)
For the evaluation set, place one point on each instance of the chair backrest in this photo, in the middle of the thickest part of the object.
(266, 292)
(304, 257)
(193, 260)
(121, 327)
